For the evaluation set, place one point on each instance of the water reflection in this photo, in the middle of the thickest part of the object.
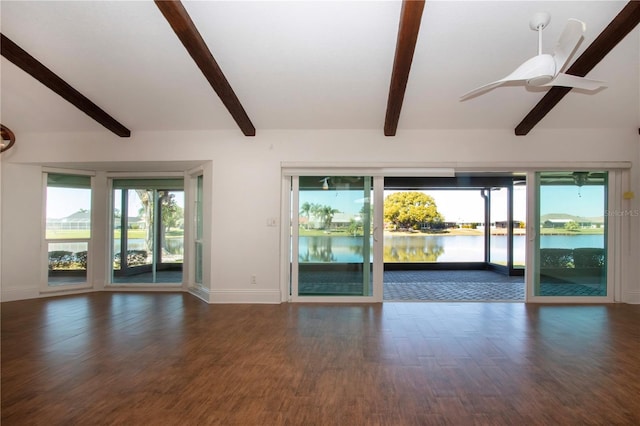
(421, 248)
(327, 249)
(316, 249)
(414, 251)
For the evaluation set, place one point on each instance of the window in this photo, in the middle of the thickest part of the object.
(68, 228)
(147, 230)
(198, 230)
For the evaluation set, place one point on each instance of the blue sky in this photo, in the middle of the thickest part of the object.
(62, 202)
(468, 205)
(455, 205)
(585, 201)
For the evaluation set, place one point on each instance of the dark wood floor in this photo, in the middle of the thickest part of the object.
(164, 359)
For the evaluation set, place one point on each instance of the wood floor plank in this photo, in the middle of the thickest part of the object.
(140, 359)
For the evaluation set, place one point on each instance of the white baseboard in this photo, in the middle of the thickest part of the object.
(10, 294)
(201, 293)
(245, 296)
(632, 297)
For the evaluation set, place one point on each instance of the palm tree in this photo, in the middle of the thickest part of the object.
(326, 214)
(305, 210)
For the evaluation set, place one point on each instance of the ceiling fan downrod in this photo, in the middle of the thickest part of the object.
(538, 22)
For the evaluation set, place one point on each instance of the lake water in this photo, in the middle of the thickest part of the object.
(433, 248)
(400, 248)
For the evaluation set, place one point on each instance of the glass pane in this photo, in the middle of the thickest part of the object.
(198, 276)
(572, 255)
(68, 212)
(140, 227)
(148, 234)
(335, 236)
(199, 232)
(434, 226)
(199, 214)
(498, 252)
(68, 228)
(519, 223)
(117, 224)
(67, 263)
(171, 231)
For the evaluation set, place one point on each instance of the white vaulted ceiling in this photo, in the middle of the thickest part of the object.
(304, 65)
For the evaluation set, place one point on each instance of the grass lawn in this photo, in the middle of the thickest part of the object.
(587, 231)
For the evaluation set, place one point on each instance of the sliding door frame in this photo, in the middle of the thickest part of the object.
(617, 228)
(615, 237)
(292, 289)
(147, 285)
(289, 221)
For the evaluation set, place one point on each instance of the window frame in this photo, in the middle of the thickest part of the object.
(45, 286)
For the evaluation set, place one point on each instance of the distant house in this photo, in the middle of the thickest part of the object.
(76, 221)
(556, 223)
(582, 222)
(338, 221)
(341, 220)
(133, 222)
(503, 224)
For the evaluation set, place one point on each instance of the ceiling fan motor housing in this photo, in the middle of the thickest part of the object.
(538, 70)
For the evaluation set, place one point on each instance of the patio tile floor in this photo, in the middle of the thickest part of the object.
(452, 286)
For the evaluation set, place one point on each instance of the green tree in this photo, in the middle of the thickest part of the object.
(411, 209)
(146, 213)
(572, 226)
(305, 210)
(172, 213)
(325, 213)
(355, 227)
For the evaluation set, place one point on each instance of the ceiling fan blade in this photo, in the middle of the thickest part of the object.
(482, 89)
(533, 68)
(568, 80)
(568, 42)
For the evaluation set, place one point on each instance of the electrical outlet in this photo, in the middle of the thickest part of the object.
(253, 280)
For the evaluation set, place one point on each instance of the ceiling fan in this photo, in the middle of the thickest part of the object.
(545, 69)
(578, 178)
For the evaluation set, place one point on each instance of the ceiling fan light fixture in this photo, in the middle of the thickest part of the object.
(325, 183)
(580, 178)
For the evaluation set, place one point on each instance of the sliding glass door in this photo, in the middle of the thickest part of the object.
(333, 238)
(571, 242)
(148, 230)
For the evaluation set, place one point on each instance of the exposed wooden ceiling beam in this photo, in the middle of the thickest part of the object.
(44, 75)
(410, 18)
(620, 26)
(179, 19)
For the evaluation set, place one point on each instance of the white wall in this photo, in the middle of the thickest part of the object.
(246, 184)
(21, 224)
